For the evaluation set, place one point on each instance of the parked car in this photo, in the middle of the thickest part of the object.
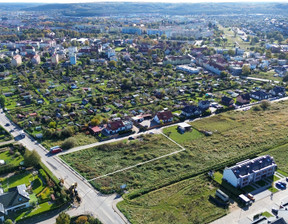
(55, 150)
(251, 197)
(280, 186)
(131, 138)
(7, 124)
(283, 183)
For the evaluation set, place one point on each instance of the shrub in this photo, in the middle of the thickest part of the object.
(81, 220)
(17, 154)
(68, 143)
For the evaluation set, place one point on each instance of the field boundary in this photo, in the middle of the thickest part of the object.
(145, 162)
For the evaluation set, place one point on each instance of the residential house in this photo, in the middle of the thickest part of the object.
(115, 127)
(243, 98)
(278, 91)
(250, 171)
(191, 110)
(55, 59)
(259, 95)
(227, 101)
(95, 130)
(16, 61)
(36, 59)
(204, 105)
(164, 116)
(15, 198)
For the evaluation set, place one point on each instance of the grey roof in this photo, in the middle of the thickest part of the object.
(2, 210)
(248, 166)
(15, 196)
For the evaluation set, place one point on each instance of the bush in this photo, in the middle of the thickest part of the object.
(17, 154)
(265, 104)
(81, 220)
(256, 108)
(68, 143)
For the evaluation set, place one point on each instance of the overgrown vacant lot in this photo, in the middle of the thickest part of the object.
(183, 202)
(280, 155)
(111, 157)
(236, 136)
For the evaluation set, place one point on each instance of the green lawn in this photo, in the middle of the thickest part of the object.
(39, 209)
(10, 159)
(267, 214)
(173, 133)
(218, 177)
(273, 189)
(183, 202)
(118, 49)
(23, 178)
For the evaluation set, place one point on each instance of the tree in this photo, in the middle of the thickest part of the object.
(268, 54)
(246, 70)
(112, 64)
(231, 52)
(81, 220)
(2, 101)
(31, 158)
(63, 218)
(2, 68)
(68, 143)
(95, 122)
(223, 74)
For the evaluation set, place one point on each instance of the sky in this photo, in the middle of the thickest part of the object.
(167, 1)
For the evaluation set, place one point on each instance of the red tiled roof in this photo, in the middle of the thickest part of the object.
(166, 115)
(114, 125)
(96, 129)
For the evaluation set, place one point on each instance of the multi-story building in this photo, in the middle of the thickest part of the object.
(16, 61)
(36, 59)
(250, 171)
(132, 30)
(73, 59)
(55, 59)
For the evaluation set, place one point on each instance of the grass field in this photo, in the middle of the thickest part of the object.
(183, 202)
(280, 156)
(266, 75)
(236, 136)
(80, 139)
(111, 157)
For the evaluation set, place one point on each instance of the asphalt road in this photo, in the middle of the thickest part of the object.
(101, 206)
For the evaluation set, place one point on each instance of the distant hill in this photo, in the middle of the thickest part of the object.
(109, 8)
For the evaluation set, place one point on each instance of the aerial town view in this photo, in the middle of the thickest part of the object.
(143, 112)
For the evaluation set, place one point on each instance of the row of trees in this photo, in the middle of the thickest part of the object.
(64, 218)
